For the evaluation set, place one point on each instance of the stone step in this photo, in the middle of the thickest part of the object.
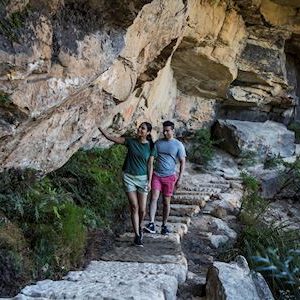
(172, 219)
(202, 190)
(179, 228)
(191, 197)
(213, 185)
(151, 253)
(150, 238)
(188, 201)
(181, 210)
(197, 193)
(104, 280)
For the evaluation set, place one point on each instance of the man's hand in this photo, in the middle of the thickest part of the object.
(178, 183)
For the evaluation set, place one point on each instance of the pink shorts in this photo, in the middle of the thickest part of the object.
(164, 184)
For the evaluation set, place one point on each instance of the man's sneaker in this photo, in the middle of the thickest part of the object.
(137, 241)
(150, 227)
(164, 230)
(141, 233)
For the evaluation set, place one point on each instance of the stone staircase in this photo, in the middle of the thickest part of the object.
(161, 266)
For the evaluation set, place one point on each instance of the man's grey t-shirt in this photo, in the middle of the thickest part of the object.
(167, 152)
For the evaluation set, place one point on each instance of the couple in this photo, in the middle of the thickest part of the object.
(139, 177)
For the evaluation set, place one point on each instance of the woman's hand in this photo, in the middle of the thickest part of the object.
(118, 140)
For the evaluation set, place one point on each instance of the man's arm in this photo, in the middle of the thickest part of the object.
(181, 170)
(118, 140)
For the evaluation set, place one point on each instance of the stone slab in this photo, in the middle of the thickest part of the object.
(152, 253)
(149, 238)
(112, 280)
(189, 200)
(173, 219)
(181, 210)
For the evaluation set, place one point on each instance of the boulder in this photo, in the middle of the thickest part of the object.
(223, 164)
(263, 139)
(234, 281)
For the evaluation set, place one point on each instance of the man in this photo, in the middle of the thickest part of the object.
(166, 151)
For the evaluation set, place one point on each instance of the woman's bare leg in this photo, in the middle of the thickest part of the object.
(134, 210)
(142, 201)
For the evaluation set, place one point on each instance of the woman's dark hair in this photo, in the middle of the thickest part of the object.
(149, 136)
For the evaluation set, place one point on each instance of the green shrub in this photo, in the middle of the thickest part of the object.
(93, 179)
(269, 248)
(10, 26)
(290, 181)
(248, 157)
(52, 214)
(295, 126)
(273, 161)
(202, 150)
(15, 263)
(73, 233)
(253, 205)
(273, 250)
(60, 246)
(4, 99)
(251, 183)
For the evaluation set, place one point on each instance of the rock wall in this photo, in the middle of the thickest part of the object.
(69, 66)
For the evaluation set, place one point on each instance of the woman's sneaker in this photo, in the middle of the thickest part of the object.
(164, 230)
(138, 241)
(150, 227)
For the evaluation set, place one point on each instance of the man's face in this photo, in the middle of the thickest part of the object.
(168, 132)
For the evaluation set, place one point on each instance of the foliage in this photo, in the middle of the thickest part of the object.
(253, 205)
(248, 158)
(284, 269)
(290, 180)
(295, 126)
(15, 264)
(4, 99)
(93, 179)
(273, 161)
(272, 249)
(10, 26)
(49, 215)
(202, 147)
(251, 183)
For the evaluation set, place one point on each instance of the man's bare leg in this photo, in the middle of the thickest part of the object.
(153, 207)
(153, 204)
(166, 209)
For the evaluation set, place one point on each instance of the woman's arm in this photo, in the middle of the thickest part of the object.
(118, 140)
(150, 171)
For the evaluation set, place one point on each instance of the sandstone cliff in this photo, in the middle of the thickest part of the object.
(68, 66)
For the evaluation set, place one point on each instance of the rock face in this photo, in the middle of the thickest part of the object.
(234, 282)
(68, 66)
(263, 139)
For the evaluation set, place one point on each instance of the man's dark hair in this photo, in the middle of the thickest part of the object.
(168, 123)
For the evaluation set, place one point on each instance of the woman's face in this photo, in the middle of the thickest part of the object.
(142, 131)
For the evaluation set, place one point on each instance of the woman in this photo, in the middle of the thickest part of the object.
(138, 169)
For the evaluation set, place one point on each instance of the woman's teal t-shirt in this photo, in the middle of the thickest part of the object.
(137, 157)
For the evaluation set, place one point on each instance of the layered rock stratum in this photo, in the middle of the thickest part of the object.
(68, 66)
